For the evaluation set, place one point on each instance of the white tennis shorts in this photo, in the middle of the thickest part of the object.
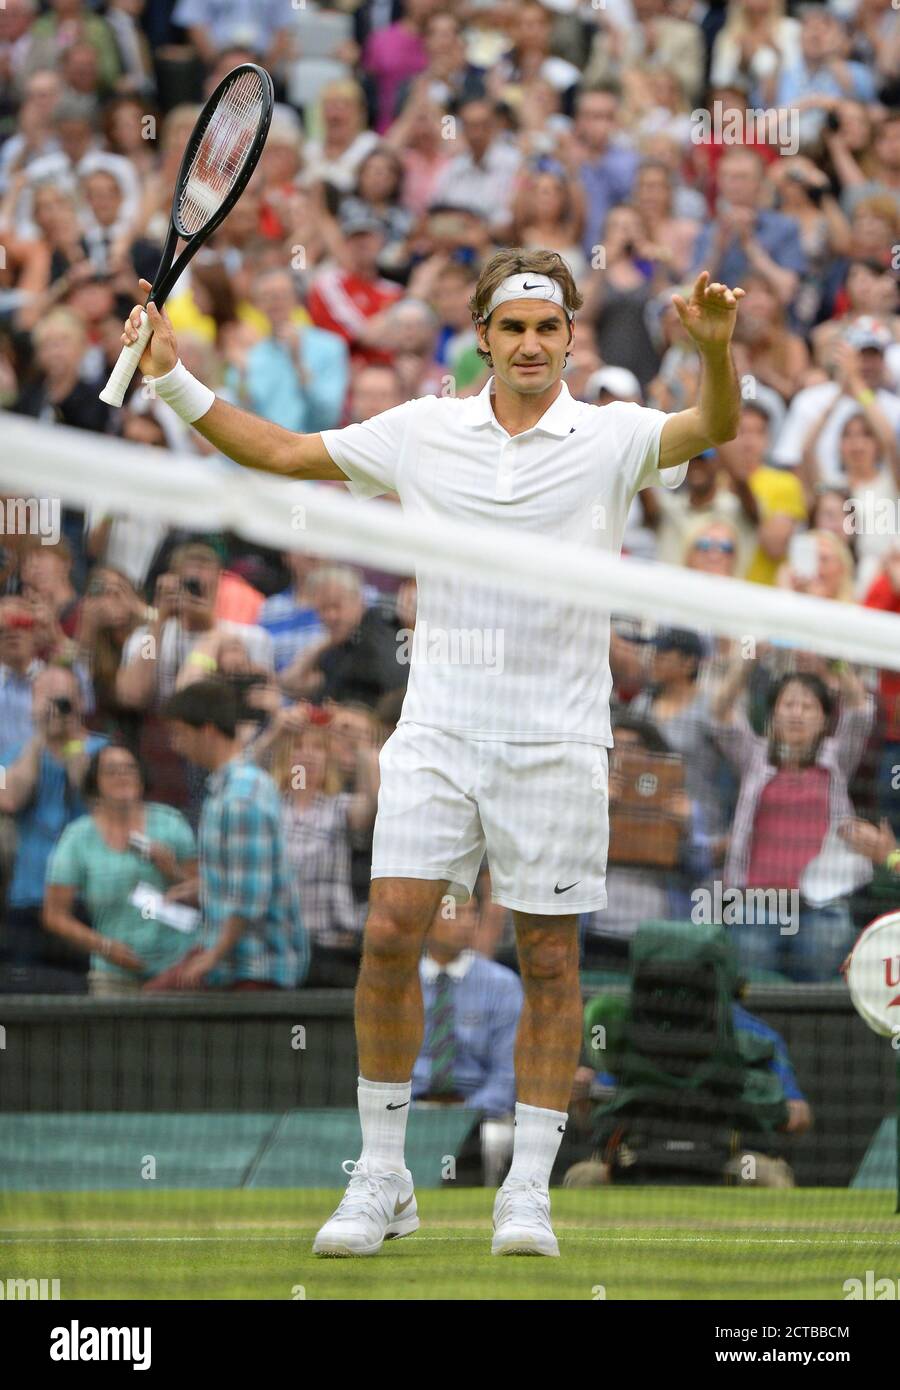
(541, 810)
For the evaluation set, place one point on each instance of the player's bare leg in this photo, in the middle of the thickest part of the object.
(390, 1017)
(547, 1047)
(380, 1203)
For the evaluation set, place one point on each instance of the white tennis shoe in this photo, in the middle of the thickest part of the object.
(376, 1207)
(522, 1220)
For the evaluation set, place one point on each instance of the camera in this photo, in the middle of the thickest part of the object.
(242, 684)
(62, 706)
(193, 587)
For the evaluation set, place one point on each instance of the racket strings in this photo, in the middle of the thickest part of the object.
(222, 152)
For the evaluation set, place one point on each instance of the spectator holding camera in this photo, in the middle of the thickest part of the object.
(182, 632)
(109, 612)
(185, 613)
(43, 791)
(256, 690)
(99, 861)
(792, 800)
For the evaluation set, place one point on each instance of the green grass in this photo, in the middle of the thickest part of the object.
(697, 1243)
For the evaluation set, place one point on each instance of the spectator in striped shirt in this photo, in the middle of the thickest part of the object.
(320, 820)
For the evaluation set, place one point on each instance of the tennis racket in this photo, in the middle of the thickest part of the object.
(223, 151)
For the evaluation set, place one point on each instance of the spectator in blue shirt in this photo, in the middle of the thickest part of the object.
(43, 791)
(251, 935)
(297, 377)
(822, 69)
(291, 618)
(745, 235)
(606, 171)
(472, 1008)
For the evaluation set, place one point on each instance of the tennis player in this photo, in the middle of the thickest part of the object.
(506, 753)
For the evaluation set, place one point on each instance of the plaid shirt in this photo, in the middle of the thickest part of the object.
(244, 872)
(749, 753)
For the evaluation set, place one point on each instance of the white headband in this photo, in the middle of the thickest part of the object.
(528, 287)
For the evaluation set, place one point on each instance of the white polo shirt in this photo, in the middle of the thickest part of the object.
(494, 664)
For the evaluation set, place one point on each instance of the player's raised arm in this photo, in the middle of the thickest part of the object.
(708, 317)
(248, 439)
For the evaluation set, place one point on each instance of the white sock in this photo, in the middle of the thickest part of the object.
(538, 1137)
(383, 1108)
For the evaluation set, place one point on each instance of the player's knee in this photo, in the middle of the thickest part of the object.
(390, 940)
(551, 959)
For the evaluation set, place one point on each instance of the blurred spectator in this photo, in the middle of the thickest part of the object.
(71, 21)
(251, 935)
(745, 235)
(820, 564)
(766, 349)
(777, 492)
(359, 656)
(214, 25)
(822, 68)
(378, 192)
(418, 136)
(703, 496)
(756, 41)
(548, 212)
(393, 55)
(321, 819)
(296, 377)
(860, 368)
(291, 618)
(109, 612)
(42, 789)
(869, 463)
(185, 609)
(57, 391)
(606, 169)
(447, 77)
(793, 798)
(350, 301)
(681, 712)
(484, 176)
(335, 157)
(655, 40)
(99, 862)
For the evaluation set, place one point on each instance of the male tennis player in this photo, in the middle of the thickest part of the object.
(509, 755)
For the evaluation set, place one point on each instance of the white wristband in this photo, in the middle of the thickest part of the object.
(187, 396)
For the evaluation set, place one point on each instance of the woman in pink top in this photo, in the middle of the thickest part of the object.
(392, 55)
(787, 873)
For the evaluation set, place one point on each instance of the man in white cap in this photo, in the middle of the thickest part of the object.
(506, 753)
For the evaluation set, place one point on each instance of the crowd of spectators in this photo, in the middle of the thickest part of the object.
(411, 139)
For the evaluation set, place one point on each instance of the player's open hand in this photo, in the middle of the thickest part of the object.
(161, 352)
(710, 314)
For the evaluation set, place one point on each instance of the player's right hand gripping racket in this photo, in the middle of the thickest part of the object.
(223, 151)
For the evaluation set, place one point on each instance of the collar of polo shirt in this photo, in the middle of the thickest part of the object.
(558, 419)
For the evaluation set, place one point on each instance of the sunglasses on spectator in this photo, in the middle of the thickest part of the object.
(706, 545)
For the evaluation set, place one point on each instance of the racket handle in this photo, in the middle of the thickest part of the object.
(113, 392)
